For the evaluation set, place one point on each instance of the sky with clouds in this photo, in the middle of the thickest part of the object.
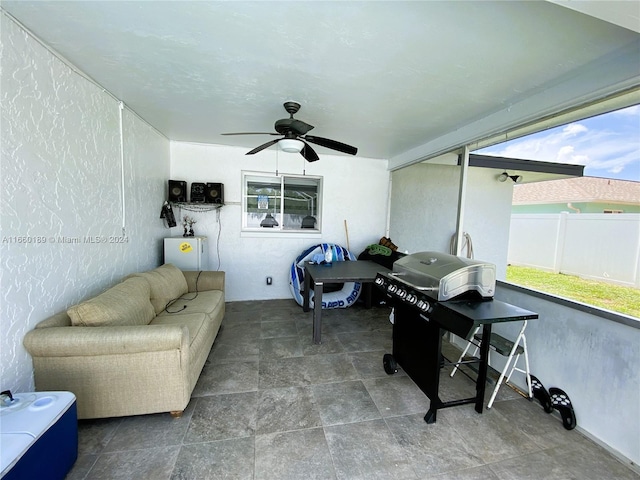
(607, 145)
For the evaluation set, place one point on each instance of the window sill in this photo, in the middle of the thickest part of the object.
(270, 233)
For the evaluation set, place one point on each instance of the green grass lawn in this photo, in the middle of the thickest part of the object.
(600, 294)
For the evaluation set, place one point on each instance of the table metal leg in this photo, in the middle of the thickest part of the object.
(305, 295)
(481, 382)
(366, 287)
(317, 312)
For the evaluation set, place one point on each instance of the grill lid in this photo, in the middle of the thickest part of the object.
(443, 276)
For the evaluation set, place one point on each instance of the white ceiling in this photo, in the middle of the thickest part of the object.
(399, 80)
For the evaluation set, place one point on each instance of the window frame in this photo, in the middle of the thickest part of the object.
(281, 230)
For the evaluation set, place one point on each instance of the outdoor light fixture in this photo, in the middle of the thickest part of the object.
(269, 221)
(504, 175)
(291, 145)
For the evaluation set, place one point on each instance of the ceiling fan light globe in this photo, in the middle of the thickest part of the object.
(291, 145)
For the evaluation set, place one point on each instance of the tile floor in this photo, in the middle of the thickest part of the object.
(271, 405)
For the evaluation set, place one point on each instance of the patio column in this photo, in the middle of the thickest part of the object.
(462, 193)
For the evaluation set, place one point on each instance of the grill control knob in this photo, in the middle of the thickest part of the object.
(401, 293)
(424, 306)
(411, 299)
(379, 281)
(392, 288)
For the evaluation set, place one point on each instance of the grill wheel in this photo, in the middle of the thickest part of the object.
(389, 364)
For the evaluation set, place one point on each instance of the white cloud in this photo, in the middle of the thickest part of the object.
(567, 154)
(564, 152)
(574, 129)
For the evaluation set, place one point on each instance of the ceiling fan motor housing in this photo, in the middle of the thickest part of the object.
(293, 126)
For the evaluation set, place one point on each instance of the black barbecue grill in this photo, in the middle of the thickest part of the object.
(433, 293)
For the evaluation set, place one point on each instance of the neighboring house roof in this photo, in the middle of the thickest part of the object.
(581, 189)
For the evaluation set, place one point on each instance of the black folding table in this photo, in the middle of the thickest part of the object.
(363, 271)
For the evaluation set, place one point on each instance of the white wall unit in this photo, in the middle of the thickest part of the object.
(187, 253)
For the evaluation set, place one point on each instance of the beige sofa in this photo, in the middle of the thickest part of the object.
(124, 352)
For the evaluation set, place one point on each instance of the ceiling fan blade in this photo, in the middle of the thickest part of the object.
(250, 133)
(263, 146)
(309, 153)
(332, 144)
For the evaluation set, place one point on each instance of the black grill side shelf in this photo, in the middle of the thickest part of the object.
(417, 342)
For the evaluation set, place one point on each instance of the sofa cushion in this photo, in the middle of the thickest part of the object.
(193, 322)
(124, 304)
(167, 283)
(204, 302)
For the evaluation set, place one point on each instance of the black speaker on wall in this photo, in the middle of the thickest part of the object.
(197, 192)
(177, 191)
(214, 193)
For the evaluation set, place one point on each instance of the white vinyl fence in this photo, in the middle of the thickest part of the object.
(597, 246)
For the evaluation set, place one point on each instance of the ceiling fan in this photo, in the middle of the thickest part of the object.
(295, 138)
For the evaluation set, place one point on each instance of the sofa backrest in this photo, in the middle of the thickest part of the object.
(166, 282)
(126, 303)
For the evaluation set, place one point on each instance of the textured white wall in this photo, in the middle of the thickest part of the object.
(593, 359)
(424, 200)
(61, 180)
(355, 189)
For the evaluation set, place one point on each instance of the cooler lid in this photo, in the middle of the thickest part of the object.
(12, 447)
(34, 413)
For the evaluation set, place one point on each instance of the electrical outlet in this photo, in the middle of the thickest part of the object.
(269, 280)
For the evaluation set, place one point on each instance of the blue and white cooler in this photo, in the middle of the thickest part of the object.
(38, 435)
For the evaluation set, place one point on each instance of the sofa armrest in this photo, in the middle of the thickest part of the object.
(92, 341)
(207, 280)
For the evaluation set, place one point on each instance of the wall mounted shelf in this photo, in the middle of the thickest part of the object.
(197, 207)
